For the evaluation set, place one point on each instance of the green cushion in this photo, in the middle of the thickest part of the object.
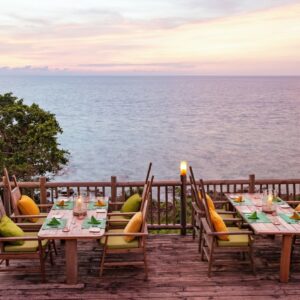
(118, 242)
(28, 246)
(9, 228)
(235, 240)
(132, 204)
(118, 218)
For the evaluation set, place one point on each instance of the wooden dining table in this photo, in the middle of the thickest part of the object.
(277, 225)
(71, 233)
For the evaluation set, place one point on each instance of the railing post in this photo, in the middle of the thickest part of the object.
(252, 183)
(183, 205)
(43, 190)
(6, 196)
(113, 188)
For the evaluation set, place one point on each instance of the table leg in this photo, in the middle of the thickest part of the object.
(285, 259)
(71, 261)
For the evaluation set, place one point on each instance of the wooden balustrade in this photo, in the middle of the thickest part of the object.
(170, 205)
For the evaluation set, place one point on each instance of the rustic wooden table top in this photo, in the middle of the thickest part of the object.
(73, 224)
(277, 225)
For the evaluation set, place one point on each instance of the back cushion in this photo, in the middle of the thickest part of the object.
(27, 206)
(10, 229)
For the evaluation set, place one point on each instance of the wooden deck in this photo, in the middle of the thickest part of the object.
(176, 272)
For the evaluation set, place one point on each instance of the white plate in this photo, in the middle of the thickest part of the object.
(94, 229)
(284, 206)
(57, 216)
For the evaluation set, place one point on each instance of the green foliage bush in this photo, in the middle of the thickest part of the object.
(28, 139)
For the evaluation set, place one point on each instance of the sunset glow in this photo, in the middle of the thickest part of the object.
(173, 38)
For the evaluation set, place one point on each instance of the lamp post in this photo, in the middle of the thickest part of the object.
(183, 170)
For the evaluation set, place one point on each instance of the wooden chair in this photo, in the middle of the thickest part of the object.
(198, 210)
(114, 244)
(32, 249)
(15, 196)
(120, 218)
(240, 241)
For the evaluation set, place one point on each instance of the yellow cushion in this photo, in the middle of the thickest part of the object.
(297, 208)
(210, 203)
(28, 246)
(235, 240)
(9, 228)
(218, 224)
(118, 242)
(134, 225)
(28, 207)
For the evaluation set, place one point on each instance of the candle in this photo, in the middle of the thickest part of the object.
(183, 168)
(270, 200)
(79, 203)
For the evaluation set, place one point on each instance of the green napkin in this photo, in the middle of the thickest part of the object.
(253, 216)
(94, 221)
(53, 222)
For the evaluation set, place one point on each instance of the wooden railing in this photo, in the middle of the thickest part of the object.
(170, 203)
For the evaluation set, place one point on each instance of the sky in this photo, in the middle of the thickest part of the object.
(143, 37)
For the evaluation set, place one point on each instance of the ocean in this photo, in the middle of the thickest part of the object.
(225, 127)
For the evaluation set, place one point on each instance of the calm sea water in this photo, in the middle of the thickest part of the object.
(225, 127)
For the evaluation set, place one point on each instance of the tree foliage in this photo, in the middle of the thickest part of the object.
(28, 139)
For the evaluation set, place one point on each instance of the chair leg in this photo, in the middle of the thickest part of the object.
(50, 253)
(42, 266)
(210, 260)
(252, 259)
(54, 247)
(7, 262)
(145, 264)
(102, 261)
(200, 240)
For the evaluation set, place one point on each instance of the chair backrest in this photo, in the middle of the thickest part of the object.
(14, 192)
(205, 204)
(146, 202)
(196, 191)
(148, 172)
(2, 209)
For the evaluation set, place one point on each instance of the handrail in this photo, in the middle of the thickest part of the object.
(169, 206)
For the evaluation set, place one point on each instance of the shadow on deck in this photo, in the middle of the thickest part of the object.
(175, 271)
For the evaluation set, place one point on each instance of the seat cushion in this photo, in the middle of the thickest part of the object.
(27, 246)
(218, 224)
(118, 242)
(235, 240)
(133, 226)
(28, 207)
(9, 228)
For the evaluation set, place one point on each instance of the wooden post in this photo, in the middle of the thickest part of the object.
(183, 205)
(6, 196)
(43, 190)
(252, 183)
(113, 189)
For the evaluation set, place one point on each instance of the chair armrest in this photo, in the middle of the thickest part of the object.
(227, 212)
(121, 214)
(116, 221)
(232, 219)
(29, 226)
(127, 234)
(230, 233)
(19, 238)
(115, 203)
(29, 216)
(45, 205)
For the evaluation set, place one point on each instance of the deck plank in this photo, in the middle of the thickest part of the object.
(175, 272)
